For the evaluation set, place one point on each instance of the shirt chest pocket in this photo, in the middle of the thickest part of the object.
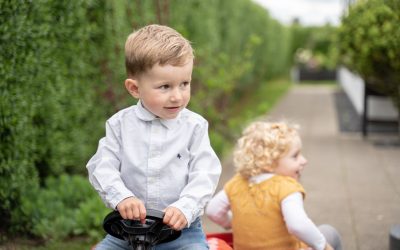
(182, 159)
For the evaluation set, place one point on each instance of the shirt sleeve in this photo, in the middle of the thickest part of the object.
(218, 210)
(298, 223)
(103, 169)
(204, 172)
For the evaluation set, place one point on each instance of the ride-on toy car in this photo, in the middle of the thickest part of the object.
(154, 231)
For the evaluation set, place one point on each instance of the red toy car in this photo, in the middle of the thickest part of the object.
(220, 241)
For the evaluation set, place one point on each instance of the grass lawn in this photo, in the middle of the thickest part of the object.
(260, 102)
(77, 243)
(325, 82)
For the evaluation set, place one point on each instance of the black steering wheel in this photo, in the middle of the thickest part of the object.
(140, 236)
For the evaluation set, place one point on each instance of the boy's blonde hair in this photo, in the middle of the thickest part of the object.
(261, 146)
(155, 44)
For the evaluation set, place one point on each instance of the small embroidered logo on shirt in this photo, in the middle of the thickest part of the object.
(179, 156)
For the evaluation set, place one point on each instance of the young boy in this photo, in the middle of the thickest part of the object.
(157, 154)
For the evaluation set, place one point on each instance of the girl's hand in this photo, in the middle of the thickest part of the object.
(132, 208)
(174, 218)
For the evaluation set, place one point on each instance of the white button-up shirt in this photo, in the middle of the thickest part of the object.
(161, 162)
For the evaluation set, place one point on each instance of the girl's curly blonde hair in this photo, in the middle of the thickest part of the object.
(261, 146)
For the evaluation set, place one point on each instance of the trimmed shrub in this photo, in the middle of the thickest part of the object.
(65, 206)
(369, 44)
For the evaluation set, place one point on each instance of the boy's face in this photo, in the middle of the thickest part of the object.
(163, 90)
(293, 162)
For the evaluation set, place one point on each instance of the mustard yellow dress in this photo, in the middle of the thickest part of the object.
(257, 221)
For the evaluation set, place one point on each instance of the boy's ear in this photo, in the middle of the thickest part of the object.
(132, 86)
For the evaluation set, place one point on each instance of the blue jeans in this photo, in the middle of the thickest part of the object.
(332, 236)
(192, 238)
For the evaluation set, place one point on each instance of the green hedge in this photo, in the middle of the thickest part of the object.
(62, 72)
(314, 46)
(48, 117)
(369, 44)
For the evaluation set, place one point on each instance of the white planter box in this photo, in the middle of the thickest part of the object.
(379, 108)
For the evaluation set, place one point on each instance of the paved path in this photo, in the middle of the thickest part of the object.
(350, 183)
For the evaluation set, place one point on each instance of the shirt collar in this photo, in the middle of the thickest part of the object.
(145, 115)
(261, 177)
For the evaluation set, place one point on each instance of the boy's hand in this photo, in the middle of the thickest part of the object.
(174, 218)
(133, 209)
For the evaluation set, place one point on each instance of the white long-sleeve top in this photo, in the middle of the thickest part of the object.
(161, 162)
(297, 221)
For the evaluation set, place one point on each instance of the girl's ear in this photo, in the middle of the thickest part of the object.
(133, 88)
(269, 169)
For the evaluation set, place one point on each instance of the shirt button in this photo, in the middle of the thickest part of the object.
(156, 130)
(155, 153)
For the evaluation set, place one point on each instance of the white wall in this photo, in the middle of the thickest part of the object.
(379, 108)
